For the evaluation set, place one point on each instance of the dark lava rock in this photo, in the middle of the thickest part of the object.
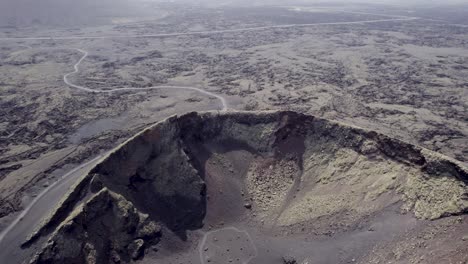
(105, 229)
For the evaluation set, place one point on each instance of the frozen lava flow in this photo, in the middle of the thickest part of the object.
(254, 187)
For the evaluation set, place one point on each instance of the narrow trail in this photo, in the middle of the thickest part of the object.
(223, 101)
(210, 32)
(44, 192)
(219, 97)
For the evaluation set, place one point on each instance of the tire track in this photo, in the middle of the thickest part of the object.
(223, 101)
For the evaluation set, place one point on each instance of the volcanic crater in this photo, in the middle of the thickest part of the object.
(259, 187)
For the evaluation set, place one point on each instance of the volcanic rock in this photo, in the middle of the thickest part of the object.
(287, 168)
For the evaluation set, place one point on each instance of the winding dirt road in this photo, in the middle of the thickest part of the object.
(123, 89)
(27, 221)
(41, 195)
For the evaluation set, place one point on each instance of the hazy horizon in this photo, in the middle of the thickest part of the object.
(68, 13)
